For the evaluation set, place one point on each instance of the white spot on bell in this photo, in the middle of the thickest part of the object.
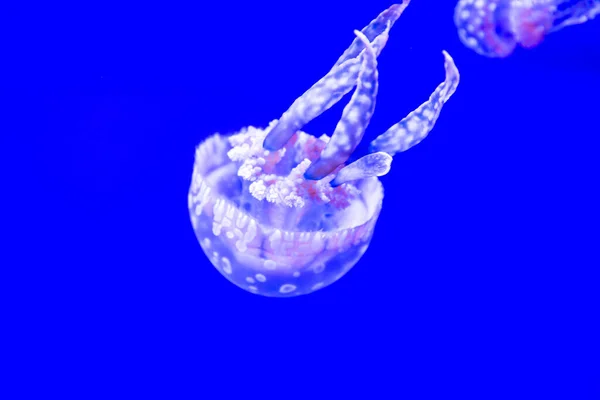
(287, 288)
(226, 265)
(319, 268)
(270, 264)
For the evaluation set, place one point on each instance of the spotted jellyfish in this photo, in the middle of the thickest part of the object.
(280, 212)
(494, 28)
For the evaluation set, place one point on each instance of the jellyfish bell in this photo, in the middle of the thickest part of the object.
(277, 210)
(296, 242)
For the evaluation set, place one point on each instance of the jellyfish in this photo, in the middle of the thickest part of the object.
(280, 212)
(494, 28)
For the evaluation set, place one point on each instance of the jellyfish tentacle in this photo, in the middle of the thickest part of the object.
(339, 81)
(416, 126)
(355, 118)
(374, 29)
(374, 164)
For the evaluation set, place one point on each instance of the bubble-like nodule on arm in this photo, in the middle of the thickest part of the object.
(355, 118)
(494, 28)
(417, 125)
(339, 81)
(374, 164)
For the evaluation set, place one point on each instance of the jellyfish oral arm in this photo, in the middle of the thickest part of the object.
(531, 21)
(383, 23)
(355, 118)
(574, 12)
(374, 164)
(415, 127)
(494, 28)
(339, 81)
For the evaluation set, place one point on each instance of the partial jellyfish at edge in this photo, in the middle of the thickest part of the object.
(494, 28)
(278, 211)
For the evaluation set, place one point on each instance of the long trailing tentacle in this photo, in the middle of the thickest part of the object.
(339, 81)
(374, 164)
(355, 118)
(416, 126)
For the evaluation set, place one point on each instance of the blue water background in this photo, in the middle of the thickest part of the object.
(480, 279)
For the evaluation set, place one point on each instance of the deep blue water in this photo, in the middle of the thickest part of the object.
(481, 277)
